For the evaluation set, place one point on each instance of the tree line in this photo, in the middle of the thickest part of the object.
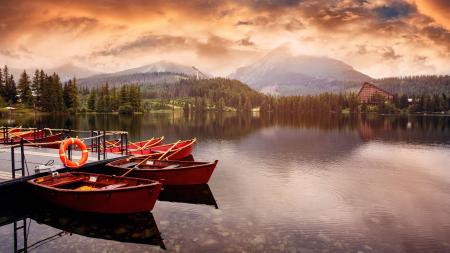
(48, 93)
(416, 85)
(423, 103)
(126, 99)
(42, 92)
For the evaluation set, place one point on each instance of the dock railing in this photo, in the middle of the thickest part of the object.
(97, 141)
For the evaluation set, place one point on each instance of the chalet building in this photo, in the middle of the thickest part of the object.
(371, 94)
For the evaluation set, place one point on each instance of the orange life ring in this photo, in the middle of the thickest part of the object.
(62, 153)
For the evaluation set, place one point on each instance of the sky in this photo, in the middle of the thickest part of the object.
(380, 38)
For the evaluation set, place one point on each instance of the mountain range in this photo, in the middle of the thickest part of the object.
(65, 72)
(155, 73)
(278, 72)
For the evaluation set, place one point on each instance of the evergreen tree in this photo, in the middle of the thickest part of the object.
(220, 105)
(25, 93)
(124, 98)
(92, 100)
(135, 97)
(58, 101)
(66, 97)
(2, 84)
(11, 90)
(247, 106)
(114, 99)
(70, 96)
(35, 88)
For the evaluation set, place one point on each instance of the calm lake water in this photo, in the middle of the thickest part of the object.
(283, 184)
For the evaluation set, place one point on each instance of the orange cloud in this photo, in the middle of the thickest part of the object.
(221, 35)
(439, 10)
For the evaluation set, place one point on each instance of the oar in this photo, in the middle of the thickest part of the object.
(184, 147)
(150, 156)
(170, 149)
(145, 145)
(17, 135)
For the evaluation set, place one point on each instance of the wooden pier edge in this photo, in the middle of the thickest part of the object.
(15, 190)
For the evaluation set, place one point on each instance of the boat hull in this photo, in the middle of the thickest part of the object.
(134, 199)
(39, 138)
(134, 147)
(195, 174)
(182, 150)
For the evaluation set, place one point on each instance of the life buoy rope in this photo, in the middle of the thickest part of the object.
(62, 153)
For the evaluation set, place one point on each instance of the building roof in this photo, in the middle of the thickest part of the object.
(367, 84)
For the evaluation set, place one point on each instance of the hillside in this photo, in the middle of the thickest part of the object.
(65, 71)
(156, 73)
(232, 92)
(416, 84)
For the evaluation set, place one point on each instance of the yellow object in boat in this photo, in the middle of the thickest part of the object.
(85, 188)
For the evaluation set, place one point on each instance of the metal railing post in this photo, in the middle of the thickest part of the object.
(13, 161)
(104, 144)
(126, 143)
(121, 143)
(98, 145)
(92, 141)
(6, 135)
(22, 157)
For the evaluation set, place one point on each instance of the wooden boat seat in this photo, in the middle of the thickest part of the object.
(172, 166)
(64, 182)
(112, 186)
(127, 165)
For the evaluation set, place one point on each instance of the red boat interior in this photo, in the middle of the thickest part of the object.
(154, 164)
(88, 182)
(163, 148)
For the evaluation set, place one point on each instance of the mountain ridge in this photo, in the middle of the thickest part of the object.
(282, 73)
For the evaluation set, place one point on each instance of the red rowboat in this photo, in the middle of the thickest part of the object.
(114, 146)
(97, 193)
(172, 151)
(168, 172)
(37, 137)
(11, 132)
(16, 134)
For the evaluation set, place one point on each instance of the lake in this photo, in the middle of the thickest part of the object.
(283, 184)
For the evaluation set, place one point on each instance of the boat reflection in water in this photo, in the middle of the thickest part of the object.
(189, 194)
(138, 228)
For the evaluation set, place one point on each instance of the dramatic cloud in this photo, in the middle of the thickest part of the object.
(380, 37)
(145, 43)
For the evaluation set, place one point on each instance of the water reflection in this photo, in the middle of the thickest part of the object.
(323, 183)
(136, 228)
(25, 221)
(227, 126)
(189, 194)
